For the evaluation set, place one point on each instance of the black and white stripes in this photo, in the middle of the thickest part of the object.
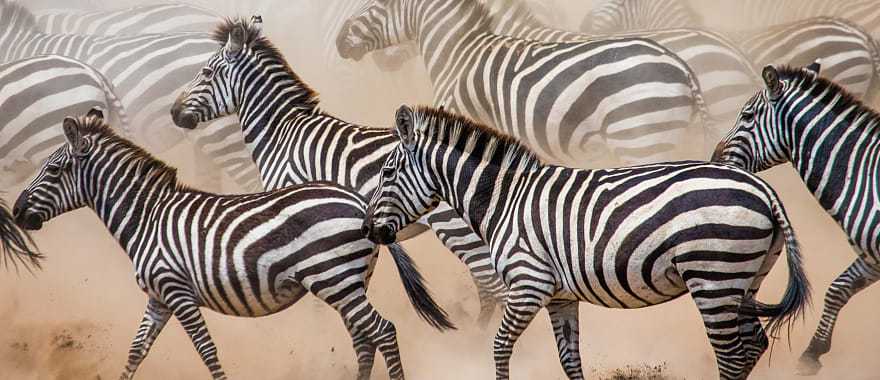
(833, 142)
(577, 102)
(245, 255)
(622, 238)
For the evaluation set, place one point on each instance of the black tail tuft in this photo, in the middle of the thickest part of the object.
(16, 245)
(418, 294)
(797, 294)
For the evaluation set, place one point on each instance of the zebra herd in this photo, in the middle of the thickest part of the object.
(513, 168)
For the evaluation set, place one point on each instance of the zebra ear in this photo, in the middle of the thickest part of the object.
(771, 79)
(96, 112)
(78, 143)
(405, 128)
(257, 23)
(814, 67)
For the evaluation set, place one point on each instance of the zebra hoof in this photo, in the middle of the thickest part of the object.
(808, 366)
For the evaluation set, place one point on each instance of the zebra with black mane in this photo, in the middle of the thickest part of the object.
(616, 99)
(245, 255)
(292, 141)
(622, 238)
(31, 109)
(833, 142)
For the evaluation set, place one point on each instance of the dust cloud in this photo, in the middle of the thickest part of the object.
(75, 318)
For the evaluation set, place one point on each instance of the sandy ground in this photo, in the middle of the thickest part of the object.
(75, 319)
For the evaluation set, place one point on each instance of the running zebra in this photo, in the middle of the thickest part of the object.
(571, 102)
(146, 72)
(832, 141)
(32, 106)
(16, 246)
(621, 238)
(849, 55)
(142, 19)
(615, 16)
(293, 142)
(244, 255)
(726, 76)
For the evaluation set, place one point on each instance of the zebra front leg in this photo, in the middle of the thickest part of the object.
(858, 276)
(564, 318)
(519, 311)
(190, 317)
(154, 320)
(370, 331)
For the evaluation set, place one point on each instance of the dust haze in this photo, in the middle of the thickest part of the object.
(75, 319)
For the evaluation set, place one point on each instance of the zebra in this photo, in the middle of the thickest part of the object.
(831, 140)
(629, 237)
(31, 106)
(245, 255)
(571, 102)
(293, 142)
(16, 245)
(759, 13)
(615, 16)
(726, 77)
(146, 72)
(142, 19)
(850, 56)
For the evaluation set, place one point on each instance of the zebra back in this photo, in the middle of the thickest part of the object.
(144, 19)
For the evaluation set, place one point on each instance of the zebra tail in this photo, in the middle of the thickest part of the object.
(797, 294)
(16, 245)
(418, 294)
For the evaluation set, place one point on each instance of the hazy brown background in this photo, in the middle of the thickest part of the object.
(76, 318)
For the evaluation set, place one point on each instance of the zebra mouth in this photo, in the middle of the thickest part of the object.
(380, 234)
(29, 221)
(184, 118)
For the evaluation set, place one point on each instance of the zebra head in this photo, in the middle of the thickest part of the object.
(57, 187)
(379, 25)
(212, 93)
(760, 137)
(405, 192)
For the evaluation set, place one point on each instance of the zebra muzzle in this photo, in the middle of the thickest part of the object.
(24, 218)
(381, 234)
(183, 118)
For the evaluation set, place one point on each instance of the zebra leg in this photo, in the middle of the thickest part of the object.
(519, 311)
(369, 331)
(723, 327)
(754, 340)
(564, 318)
(458, 237)
(154, 320)
(858, 276)
(190, 317)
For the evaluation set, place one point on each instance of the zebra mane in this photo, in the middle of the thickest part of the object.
(98, 127)
(805, 79)
(520, 12)
(14, 11)
(257, 42)
(454, 130)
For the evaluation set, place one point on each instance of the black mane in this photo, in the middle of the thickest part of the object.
(805, 79)
(452, 128)
(254, 39)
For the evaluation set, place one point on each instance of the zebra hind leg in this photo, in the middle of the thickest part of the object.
(754, 340)
(154, 320)
(564, 318)
(858, 276)
(717, 306)
(187, 312)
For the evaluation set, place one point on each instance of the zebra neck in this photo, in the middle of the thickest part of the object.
(833, 149)
(269, 100)
(123, 197)
(487, 186)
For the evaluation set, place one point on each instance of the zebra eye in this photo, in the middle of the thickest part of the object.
(53, 169)
(388, 171)
(747, 117)
(208, 73)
